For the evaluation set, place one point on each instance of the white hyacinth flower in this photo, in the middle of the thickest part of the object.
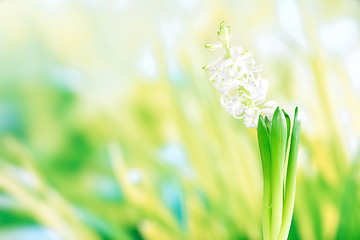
(238, 79)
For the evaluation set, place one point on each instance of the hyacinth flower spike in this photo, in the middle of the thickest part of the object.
(243, 92)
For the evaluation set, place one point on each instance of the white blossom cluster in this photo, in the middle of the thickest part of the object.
(238, 79)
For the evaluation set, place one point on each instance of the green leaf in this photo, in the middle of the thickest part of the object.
(278, 147)
(291, 178)
(264, 146)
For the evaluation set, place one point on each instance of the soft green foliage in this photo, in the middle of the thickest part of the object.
(91, 90)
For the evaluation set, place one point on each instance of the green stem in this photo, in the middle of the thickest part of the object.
(291, 179)
(227, 50)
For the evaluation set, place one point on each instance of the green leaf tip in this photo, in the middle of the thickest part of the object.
(278, 114)
(261, 118)
(296, 115)
(277, 110)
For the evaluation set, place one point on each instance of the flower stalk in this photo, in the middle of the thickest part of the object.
(243, 92)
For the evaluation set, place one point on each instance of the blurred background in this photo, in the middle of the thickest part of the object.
(110, 129)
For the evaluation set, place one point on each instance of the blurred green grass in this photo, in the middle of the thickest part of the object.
(109, 129)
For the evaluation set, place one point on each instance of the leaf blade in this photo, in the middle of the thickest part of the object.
(264, 146)
(278, 147)
(291, 178)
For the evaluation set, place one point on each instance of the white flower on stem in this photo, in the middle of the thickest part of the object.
(238, 79)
